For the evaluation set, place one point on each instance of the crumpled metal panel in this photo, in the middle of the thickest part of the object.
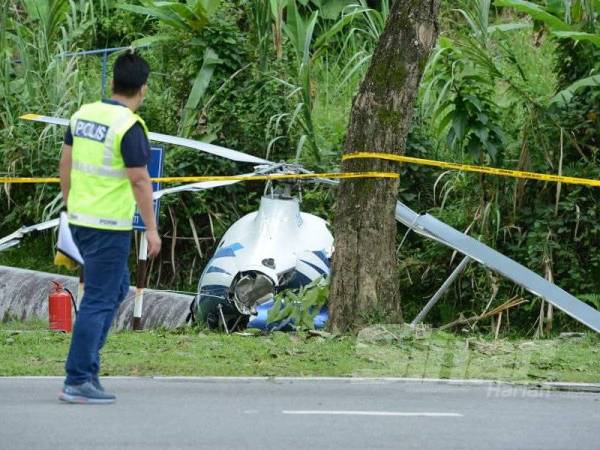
(14, 238)
(433, 228)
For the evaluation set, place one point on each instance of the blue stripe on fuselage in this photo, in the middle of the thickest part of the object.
(228, 251)
(317, 268)
(216, 269)
(323, 257)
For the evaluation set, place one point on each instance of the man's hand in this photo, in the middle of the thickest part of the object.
(142, 190)
(154, 243)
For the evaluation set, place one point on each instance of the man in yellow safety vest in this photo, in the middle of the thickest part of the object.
(103, 174)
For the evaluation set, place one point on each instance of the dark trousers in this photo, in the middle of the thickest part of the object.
(106, 278)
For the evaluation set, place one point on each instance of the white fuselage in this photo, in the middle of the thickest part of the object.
(279, 241)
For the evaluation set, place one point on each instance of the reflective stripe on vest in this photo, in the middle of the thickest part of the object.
(100, 222)
(98, 170)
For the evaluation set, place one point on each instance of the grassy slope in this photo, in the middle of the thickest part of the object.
(28, 349)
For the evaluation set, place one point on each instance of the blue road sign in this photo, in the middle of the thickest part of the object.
(155, 168)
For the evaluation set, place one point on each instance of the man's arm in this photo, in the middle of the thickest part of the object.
(65, 171)
(142, 190)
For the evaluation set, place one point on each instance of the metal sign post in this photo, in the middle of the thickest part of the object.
(155, 168)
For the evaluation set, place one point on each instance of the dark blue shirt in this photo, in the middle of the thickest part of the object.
(135, 147)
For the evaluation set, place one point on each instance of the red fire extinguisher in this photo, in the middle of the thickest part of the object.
(59, 308)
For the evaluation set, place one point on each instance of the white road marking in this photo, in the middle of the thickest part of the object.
(373, 413)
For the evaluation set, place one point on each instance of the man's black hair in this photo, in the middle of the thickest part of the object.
(130, 73)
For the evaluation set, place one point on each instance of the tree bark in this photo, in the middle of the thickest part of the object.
(364, 285)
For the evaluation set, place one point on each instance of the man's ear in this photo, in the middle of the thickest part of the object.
(144, 89)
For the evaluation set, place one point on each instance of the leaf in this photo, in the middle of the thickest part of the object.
(299, 147)
(535, 11)
(211, 60)
(565, 96)
(331, 9)
(579, 36)
(556, 7)
(324, 38)
(205, 7)
(308, 37)
(166, 16)
(149, 40)
(295, 28)
(191, 17)
(443, 123)
(459, 124)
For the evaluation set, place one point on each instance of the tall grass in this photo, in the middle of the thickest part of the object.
(34, 77)
(323, 73)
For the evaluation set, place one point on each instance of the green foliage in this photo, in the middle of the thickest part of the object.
(188, 21)
(459, 89)
(566, 95)
(593, 299)
(536, 11)
(192, 16)
(211, 60)
(547, 229)
(580, 17)
(516, 87)
(35, 78)
(300, 34)
(300, 307)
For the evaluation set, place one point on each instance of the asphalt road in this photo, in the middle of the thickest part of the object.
(296, 414)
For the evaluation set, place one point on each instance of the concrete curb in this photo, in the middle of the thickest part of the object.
(24, 296)
(550, 386)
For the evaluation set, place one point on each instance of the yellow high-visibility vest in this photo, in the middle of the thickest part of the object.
(101, 195)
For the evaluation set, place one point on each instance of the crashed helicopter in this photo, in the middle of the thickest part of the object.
(280, 247)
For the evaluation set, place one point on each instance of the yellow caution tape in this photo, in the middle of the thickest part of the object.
(348, 175)
(25, 180)
(471, 168)
(197, 179)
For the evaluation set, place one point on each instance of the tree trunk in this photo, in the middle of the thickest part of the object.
(364, 285)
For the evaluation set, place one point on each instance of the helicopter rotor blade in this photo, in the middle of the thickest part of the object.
(45, 119)
(216, 150)
(193, 187)
(432, 228)
(212, 149)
